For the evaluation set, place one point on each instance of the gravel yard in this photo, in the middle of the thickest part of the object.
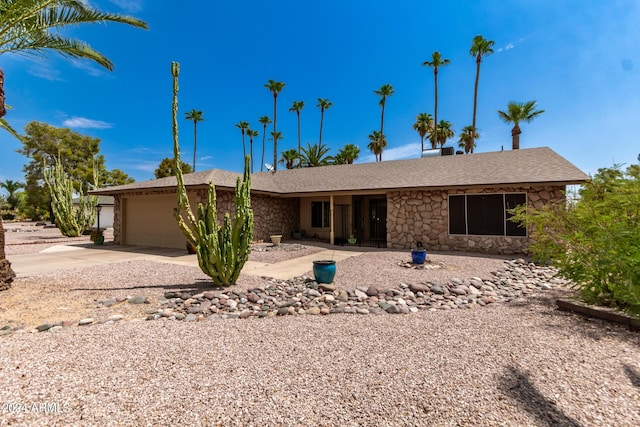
(506, 364)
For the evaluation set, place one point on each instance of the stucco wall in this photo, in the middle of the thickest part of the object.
(424, 216)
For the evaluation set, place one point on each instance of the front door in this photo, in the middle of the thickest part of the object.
(378, 221)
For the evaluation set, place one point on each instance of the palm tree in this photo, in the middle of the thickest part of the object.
(243, 126)
(275, 137)
(424, 126)
(347, 154)
(275, 88)
(11, 187)
(479, 48)
(32, 27)
(436, 62)
(264, 120)
(444, 132)
(519, 112)
(467, 139)
(315, 155)
(383, 92)
(252, 134)
(196, 116)
(377, 144)
(289, 157)
(297, 107)
(323, 104)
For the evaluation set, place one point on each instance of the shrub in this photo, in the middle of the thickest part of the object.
(595, 241)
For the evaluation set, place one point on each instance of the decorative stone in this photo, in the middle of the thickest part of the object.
(139, 299)
(86, 321)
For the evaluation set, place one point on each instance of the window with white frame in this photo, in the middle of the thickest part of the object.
(485, 214)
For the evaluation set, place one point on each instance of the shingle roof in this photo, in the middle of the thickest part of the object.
(527, 166)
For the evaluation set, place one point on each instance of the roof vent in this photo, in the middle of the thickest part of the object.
(447, 151)
(435, 152)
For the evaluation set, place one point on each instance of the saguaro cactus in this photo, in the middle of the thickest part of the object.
(71, 222)
(222, 251)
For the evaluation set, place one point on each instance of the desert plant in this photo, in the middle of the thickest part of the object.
(594, 241)
(222, 251)
(71, 221)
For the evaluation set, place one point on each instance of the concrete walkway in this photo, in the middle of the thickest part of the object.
(65, 257)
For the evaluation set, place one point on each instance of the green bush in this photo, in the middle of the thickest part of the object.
(594, 241)
(8, 215)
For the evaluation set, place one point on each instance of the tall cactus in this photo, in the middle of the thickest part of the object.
(71, 222)
(222, 251)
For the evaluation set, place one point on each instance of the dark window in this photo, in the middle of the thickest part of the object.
(485, 214)
(457, 215)
(320, 212)
(511, 201)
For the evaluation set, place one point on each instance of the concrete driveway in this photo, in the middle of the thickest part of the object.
(65, 257)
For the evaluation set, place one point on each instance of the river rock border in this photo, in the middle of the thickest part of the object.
(303, 296)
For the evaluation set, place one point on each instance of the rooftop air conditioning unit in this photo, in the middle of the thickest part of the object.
(446, 151)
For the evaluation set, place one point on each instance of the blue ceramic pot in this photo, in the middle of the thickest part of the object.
(324, 270)
(418, 256)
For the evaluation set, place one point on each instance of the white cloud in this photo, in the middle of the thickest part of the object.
(84, 123)
(44, 71)
(406, 151)
(131, 6)
(144, 165)
(509, 46)
(89, 68)
(206, 157)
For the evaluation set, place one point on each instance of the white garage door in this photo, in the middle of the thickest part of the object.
(149, 221)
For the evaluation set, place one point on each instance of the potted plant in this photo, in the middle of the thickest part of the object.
(352, 240)
(418, 255)
(297, 234)
(324, 270)
(275, 239)
(97, 236)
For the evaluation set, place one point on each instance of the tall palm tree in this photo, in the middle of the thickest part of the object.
(289, 157)
(424, 126)
(252, 134)
(264, 120)
(436, 62)
(445, 132)
(479, 48)
(196, 116)
(348, 154)
(377, 144)
(297, 107)
(323, 104)
(467, 139)
(384, 91)
(315, 155)
(32, 27)
(275, 137)
(519, 112)
(275, 88)
(243, 126)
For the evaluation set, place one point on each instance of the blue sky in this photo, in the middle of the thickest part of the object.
(579, 59)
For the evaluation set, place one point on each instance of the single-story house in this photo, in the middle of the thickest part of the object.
(105, 203)
(449, 202)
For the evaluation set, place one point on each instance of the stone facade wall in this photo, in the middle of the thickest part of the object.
(271, 215)
(424, 216)
(274, 215)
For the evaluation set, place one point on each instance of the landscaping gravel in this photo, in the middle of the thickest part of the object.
(513, 363)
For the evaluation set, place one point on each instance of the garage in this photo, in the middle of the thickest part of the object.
(145, 216)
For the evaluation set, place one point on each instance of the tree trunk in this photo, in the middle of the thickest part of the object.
(382, 118)
(298, 133)
(515, 137)
(275, 140)
(321, 120)
(6, 273)
(264, 135)
(194, 147)
(475, 100)
(244, 148)
(434, 141)
(251, 152)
